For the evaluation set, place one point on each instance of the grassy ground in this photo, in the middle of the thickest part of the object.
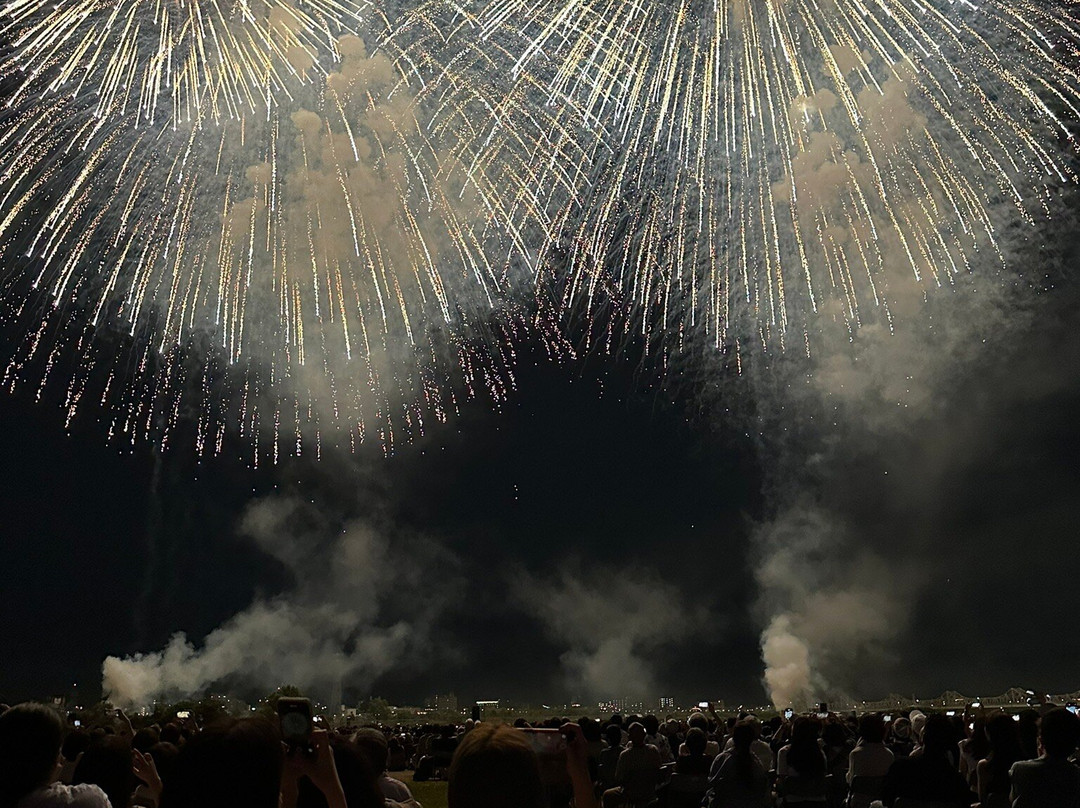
(430, 794)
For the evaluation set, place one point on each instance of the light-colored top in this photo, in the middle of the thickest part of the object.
(638, 770)
(761, 750)
(58, 795)
(869, 760)
(1045, 782)
(396, 791)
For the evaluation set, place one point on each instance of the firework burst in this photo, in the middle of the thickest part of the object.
(740, 167)
(235, 211)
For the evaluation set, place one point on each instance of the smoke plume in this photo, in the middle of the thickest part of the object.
(611, 622)
(352, 613)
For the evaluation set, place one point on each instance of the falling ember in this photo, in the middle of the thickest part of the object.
(247, 190)
(740, 167)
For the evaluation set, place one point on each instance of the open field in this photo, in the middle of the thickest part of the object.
(430, 794)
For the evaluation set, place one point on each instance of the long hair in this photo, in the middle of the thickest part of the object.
(1004, 742)
(30, 738)
(805, 755)
(742, 737)
(107, 764)
(234, 764)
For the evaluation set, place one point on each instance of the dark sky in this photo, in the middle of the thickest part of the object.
(561, 471)
(979, 540)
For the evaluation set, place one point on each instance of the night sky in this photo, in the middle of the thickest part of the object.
(590, 466)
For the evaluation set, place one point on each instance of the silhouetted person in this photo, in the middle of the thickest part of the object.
(737, 776)
(801, 765)
(695, 762)
(637, 771)
(30, 738)
(375, 747)
(1050, 780)
(992, 772)
(495, 766)
(931, 776)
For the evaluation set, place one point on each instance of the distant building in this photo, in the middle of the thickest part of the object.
(444, 704)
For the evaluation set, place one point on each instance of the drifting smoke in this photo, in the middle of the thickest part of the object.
(351, 614)
(611, 622)
(863, 440)
(831, 601)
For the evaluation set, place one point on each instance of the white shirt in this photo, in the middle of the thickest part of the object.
(57, 795)
(396, 790)
(869, 760)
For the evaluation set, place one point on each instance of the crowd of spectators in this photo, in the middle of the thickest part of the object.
(824, 760)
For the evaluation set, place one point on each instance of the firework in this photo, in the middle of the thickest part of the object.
(235, 211)
(245, 212)
(741, 167)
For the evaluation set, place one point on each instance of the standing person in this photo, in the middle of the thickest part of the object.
(30, 738)
(1050, 779)
(637, 772)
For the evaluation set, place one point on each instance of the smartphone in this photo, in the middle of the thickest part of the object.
(1070, 707)
(1016, 717)
(294, 714)
(886, 718)
(78, 723)
(950, 713)
(183, 714)
(550, 748)
(788, 713)
(704, 705)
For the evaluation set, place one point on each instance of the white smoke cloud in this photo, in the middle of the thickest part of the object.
(831, 603)
(613, 623)
(869, 400)
(350, 615)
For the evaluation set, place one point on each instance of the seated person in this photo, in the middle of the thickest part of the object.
(495, 766)
(376, 749)
(1050, 779)
(695, 761)
(931, 776)
(609, 756)
(870, 757)
(737, 776)
(637, 772)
